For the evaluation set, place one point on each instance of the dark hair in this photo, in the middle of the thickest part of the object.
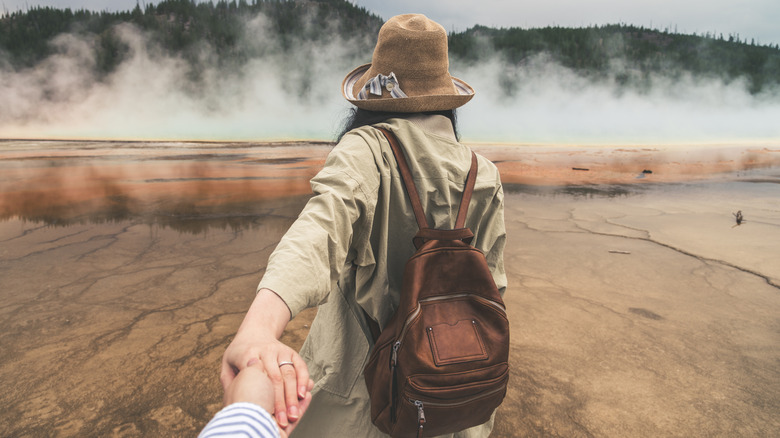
(357, 117)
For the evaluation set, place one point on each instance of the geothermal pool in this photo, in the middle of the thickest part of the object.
(638, 306)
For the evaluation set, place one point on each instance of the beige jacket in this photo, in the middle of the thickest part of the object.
(347, 250)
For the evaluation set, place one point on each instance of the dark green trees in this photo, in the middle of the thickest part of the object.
(185, 28)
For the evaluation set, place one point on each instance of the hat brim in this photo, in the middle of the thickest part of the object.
(411, 104)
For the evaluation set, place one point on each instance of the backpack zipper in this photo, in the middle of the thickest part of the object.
(420, 417)
(495, 304)
(453, 404)
(393, 384)
(421, 406)
(406, 327)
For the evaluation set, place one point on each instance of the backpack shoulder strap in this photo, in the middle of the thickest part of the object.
(406, 175)
(411, 189)
(471, 180)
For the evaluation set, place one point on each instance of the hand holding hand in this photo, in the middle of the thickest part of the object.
(253, 385)
(258, 338)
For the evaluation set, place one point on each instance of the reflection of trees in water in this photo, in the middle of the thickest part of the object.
(183, 216)
(601, 191)
(196, 220)
(578, 191)
(191, 188)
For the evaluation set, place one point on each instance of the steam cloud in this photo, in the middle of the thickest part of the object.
(295, 94)
(543, 102)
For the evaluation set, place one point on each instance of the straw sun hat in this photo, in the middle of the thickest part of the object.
(409, 71)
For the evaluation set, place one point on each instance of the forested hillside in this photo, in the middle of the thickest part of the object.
(633, 53)
(626, 54)
(182, 27)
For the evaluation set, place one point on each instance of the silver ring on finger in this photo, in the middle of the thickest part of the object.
(281, 364)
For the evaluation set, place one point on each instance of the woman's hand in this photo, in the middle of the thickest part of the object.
(304, 404)
(253, 385)
(258, 338)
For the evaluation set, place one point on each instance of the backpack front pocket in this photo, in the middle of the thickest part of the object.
(456, 343)
(430, 406)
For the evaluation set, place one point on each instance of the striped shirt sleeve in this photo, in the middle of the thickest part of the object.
(241, 420)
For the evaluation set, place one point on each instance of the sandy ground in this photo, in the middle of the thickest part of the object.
(638, 307)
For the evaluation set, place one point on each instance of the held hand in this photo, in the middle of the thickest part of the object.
(257, 338)
(252, 385)
(286, 370)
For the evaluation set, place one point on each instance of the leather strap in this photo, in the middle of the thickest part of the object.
(426, 234)
(471, 179)
(411, 189)
(406, 175)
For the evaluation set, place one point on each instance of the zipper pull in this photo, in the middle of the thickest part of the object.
(420, 417)
(393, 382)
(420, 412)
(394, 356)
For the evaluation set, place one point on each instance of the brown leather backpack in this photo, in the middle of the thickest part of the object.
(441, 363)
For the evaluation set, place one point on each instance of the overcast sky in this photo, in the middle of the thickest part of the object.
(749, 18)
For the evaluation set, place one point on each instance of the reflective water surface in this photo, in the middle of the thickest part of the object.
(638, 306)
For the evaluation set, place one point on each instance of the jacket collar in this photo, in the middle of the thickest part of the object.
(435, 124)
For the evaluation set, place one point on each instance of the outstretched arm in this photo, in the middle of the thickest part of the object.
(303, 269)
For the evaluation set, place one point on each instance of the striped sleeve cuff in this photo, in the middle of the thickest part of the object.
(244, 420)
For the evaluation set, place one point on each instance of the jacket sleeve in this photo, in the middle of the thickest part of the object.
(309, 259)
(492, 236)
(241, 420)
